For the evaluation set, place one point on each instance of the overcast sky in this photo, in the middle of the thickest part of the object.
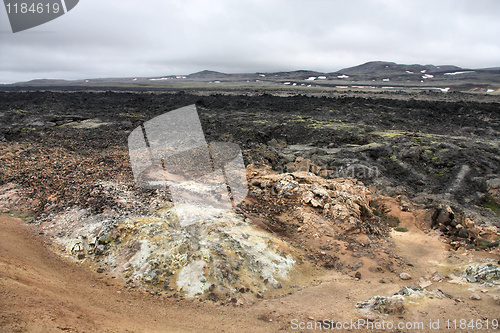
(128, 38)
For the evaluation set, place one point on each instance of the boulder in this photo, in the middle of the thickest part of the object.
(315, 169)
(445, 215)
(383, 305)
(291, 167)
(304, 165)
(493, 183)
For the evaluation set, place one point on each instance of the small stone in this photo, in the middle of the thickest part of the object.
(273, 143)
(357, 275)
(100, 270)
(316, 203)
(423, 283)
(307, 197)
(475, 297)
(99, 249)
(463, 233)
(405, 276)
(259, 295)
(310, 318)
(81, 256)
(320, 191)
(436, 277)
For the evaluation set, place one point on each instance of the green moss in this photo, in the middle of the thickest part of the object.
(393, 221)
(26, 217)
(389, 134)
(440, 173)
(427, 154)
(298, 118)
(132, 115)
(395, 160)
(400, 229)
(390, 220)
(245, 129)
(88, 123)
(333, 125)
(492, 204)
(483, 243)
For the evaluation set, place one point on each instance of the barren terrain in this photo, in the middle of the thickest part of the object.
(372, 207)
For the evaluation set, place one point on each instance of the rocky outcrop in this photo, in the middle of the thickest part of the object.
(483, 273)
(216, 258)
(462, 231)
(333, 206)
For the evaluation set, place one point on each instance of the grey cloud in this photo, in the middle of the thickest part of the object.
(155, 37)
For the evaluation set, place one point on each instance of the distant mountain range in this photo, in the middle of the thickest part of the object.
(378, 67)
(371, 75)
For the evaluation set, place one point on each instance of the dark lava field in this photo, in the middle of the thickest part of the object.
(435, 150)
(428, 147)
